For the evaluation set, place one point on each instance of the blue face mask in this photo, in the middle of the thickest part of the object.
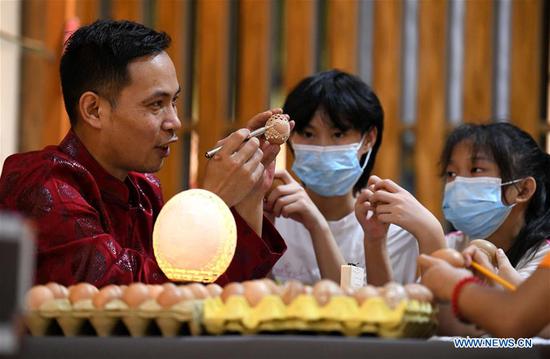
(328, 170)
(474, 205)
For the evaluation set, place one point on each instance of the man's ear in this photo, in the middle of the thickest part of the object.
(525, 189)
(369, 142)
(90, 108)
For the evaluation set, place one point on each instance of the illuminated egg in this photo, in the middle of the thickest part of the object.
(489, 248)
(324, 290)
(59, 291)
(419, 292)
(234, 288)
(450, 256)
(81, 291)
(393, 294)
(291, 290)
(254, 291)
(135, 294)
(364, 293)
(215, 290)
(37, 296)
(279, 129)
(194, 237)
(105, 295)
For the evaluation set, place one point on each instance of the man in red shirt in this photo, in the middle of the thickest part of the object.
(92, 197)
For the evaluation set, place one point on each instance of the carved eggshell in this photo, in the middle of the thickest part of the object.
(279, 129)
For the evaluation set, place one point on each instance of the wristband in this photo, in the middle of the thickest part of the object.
(456, 292)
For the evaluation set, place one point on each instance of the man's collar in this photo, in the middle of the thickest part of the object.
(110, 186)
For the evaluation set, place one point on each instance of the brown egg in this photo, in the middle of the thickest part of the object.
(37, 296)
(199, 290)
(234, 288)
(489, 248)
(154, 290)
(170, 296)
(324, 290)
(291, 290)
(81, 291)
(168, 285)
(364, 293)
(105, 295)
(279, 131)
(59, 291)
(308, 289)
(135, 294)
(273, 287)
(393, 294)
(186, 293)
(215, 290)
(419, 292)
(451, 256)
(254, 291)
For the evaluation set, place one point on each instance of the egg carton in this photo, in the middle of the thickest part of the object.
(59, 317)
(341, 315)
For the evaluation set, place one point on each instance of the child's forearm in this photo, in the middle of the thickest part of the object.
(377, 262)
(328, 255)
(430, 237)
(522, 313)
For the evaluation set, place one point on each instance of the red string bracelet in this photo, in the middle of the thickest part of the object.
(456, 292)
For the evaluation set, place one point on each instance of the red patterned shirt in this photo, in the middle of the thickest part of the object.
(92, 227)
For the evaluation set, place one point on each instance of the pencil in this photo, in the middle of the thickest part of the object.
(503, 282)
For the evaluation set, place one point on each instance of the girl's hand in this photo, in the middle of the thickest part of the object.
(440, 277)
(290, 200)
(503, 266)
(506, 270)
(396, 205)
(374, 229)
(393, 204)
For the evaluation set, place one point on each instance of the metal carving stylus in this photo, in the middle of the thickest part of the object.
(256, 133)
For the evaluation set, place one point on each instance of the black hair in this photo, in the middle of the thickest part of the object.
(347, 101)
(96, 59)
(517, 156)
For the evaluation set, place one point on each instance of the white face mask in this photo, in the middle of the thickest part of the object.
(474, 205)
(329, 170)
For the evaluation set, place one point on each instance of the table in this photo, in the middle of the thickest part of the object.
(258, 346)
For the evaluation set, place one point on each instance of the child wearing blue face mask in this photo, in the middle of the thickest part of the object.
(497, 188)
(339, 125)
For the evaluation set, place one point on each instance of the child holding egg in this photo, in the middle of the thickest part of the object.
(497, 188)
(483, 306)
(338, 131)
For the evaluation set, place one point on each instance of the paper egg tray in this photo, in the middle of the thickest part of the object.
(341, 315)
(149, 319)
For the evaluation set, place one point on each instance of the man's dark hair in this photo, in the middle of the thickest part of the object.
(346, 101)
(96, 59)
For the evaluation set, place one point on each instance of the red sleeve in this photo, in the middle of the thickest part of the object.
(254, 256)
(74, 243)
(75, 246)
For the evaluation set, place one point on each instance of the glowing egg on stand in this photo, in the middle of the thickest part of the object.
(194, 237)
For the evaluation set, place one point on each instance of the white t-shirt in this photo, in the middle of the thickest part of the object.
(526, 265)
(299, 261)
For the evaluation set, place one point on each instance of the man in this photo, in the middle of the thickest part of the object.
(92, 197)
